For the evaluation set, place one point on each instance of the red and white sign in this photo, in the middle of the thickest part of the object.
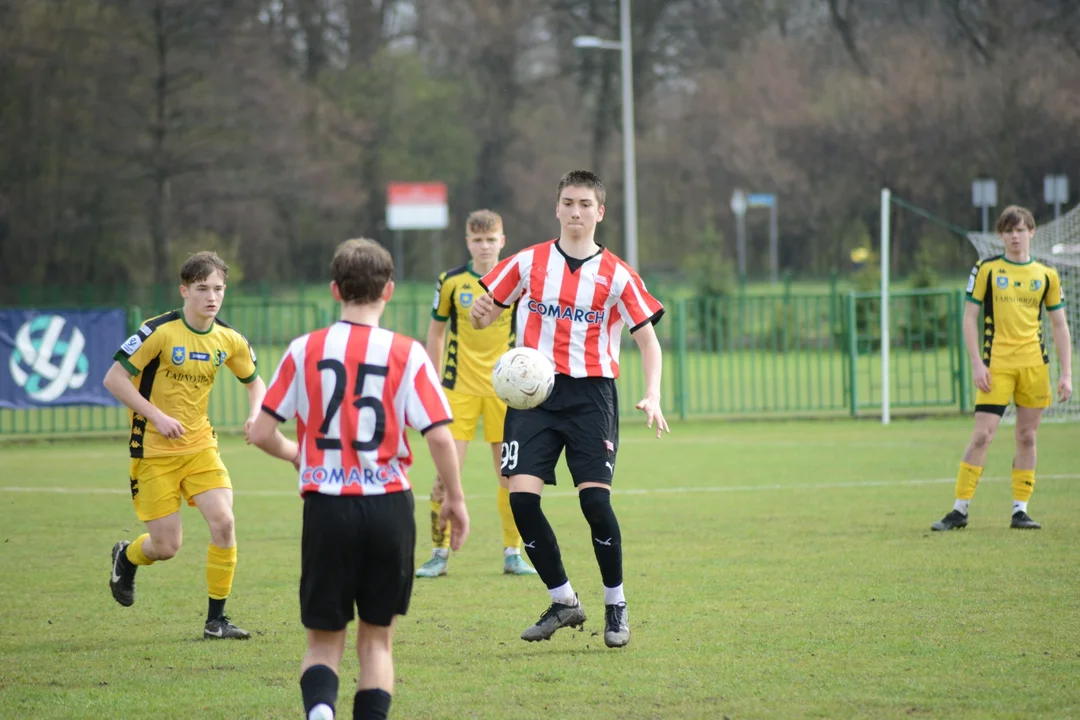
(416, 206)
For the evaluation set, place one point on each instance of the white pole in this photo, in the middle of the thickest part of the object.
(629, 161)
(885, 203)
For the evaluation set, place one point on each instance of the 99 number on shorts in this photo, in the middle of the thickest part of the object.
(509, 455)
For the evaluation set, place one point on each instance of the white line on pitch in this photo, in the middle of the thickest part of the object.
(557, 493)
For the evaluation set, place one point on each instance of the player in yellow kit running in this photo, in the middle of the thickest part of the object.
(164, 373)
(1009, 361)
(465, 360)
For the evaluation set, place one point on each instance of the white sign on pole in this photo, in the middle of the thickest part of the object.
(984, 193)
(417, 206)
(1056, 189)
(738, 202)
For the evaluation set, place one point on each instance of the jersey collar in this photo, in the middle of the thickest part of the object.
(207, 331)
(581, 260)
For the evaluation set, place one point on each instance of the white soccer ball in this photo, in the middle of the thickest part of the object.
(523, 378)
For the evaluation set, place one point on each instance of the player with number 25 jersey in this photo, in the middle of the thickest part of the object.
(353, 388)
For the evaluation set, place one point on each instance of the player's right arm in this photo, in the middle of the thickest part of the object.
(436, 336)
(977, 287)
(504, 284)
(137, 352)
(441, 308)
(118, 382)
(484, 311)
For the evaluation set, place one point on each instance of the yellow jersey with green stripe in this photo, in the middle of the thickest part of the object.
(174, 367)
(1013, 296)
(470, 354)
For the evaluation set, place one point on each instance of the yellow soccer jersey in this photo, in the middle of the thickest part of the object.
(1013, 296)
(174, 367)
(470, 354)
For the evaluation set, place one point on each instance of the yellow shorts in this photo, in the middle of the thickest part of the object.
(1030, 387)
(158, 482)
(467, 409)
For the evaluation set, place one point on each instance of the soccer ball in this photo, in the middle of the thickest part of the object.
(523, 378)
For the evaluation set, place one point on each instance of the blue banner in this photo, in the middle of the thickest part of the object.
(58, 357)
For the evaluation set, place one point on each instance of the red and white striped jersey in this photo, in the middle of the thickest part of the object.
(353, 389)
(573, 317)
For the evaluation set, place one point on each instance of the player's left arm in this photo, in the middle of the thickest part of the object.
(652, 363)
(256, 390)
(1063, 342)
(243, 364)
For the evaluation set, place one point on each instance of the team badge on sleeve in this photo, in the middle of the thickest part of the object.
(132, 344)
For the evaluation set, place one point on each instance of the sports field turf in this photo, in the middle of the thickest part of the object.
(773, 570)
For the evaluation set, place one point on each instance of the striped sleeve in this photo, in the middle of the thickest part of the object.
(977, 283)
(635, 303)
(443, 303)
(426, 405)
(506, 280)
(281, 397)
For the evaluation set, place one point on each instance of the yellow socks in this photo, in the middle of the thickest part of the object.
(439, 539)
(220, 568)
(511, 536)
(1023, 484)
(135, 554)
(967, 480)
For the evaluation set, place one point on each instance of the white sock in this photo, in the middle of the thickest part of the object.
(614, 596)
(1019, 506)
(440, 552)
(321, 711)
(507, 552)
(962, 506)
(564, 594)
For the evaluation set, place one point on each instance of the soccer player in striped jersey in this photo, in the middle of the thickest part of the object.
(573, 299)
(466, 360)
(353, 388)
(1009, 361)
(164, 373)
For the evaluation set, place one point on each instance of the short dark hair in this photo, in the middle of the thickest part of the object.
(361, 268)
(199, 266)
(1013, 217)
(585, 179)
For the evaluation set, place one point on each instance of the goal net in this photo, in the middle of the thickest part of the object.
(1056, 244)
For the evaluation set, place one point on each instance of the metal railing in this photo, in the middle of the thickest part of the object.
(739, 355)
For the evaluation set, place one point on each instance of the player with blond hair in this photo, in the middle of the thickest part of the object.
(465, 359)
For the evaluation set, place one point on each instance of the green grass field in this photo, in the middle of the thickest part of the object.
(772, 570)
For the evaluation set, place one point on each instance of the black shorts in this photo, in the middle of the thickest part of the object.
(582, 415)
(356, 550)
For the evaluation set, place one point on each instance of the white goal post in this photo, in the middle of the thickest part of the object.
(1056, 244)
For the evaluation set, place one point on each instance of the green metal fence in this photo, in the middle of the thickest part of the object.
(792, 354)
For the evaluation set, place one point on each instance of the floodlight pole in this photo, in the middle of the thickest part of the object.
(629, 155)
(886, 200)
